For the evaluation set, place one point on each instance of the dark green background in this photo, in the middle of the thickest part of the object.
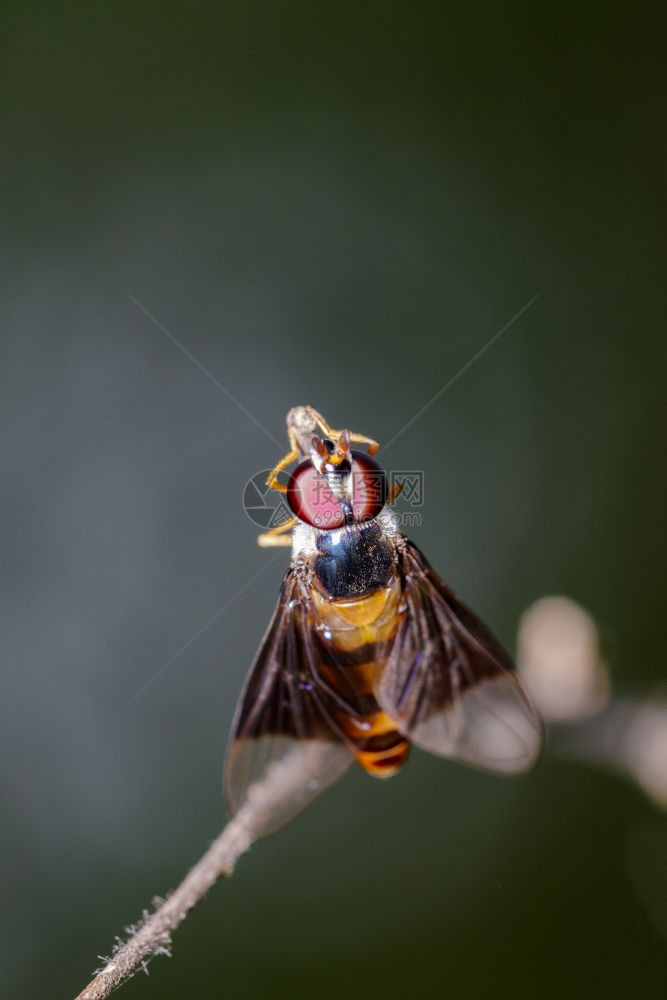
(334, 204)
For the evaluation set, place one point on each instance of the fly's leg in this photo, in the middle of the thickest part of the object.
(273, 482)
(394, 491)
(362, 439)
(356, 438)
(276, 537)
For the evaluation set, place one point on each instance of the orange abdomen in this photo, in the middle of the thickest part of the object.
(353, 637)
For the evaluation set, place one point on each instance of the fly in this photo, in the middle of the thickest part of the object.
(368, 651)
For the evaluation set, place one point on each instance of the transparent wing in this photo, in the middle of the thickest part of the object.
(283, 750)
(447, 682)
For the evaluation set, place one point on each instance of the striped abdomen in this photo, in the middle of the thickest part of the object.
(353, 635)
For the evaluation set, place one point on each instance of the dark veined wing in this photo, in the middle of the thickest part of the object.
(447, 682)
(283, 749)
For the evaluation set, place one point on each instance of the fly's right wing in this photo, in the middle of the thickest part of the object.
(283, 750)
(448, 683)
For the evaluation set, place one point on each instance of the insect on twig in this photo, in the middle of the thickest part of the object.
(367, 653)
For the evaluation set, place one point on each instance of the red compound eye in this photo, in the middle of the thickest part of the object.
(369, 486)
(311, 499)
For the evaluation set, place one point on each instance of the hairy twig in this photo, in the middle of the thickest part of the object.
(152, 936)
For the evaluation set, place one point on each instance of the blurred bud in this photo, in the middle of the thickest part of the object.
(644, 747)
(558, 658)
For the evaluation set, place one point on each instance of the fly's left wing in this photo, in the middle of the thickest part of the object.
(447, 682)
(283, 750)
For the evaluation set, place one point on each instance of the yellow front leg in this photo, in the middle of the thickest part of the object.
(273, 482)
(394, 491)
(356, 438)
(362, 439)
(276, 537)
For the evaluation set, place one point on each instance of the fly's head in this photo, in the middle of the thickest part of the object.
(336, 485)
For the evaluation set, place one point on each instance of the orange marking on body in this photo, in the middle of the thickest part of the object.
(352, 638)
(384, 763)
(362, 675)
(373, 609)
(380, 723)
(364, 610)
(347, 626)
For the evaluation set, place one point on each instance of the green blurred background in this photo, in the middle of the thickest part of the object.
(337, 205)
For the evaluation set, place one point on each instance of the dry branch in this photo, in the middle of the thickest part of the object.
(152, 936)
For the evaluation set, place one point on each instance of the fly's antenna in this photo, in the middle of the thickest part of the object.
(328, 455)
